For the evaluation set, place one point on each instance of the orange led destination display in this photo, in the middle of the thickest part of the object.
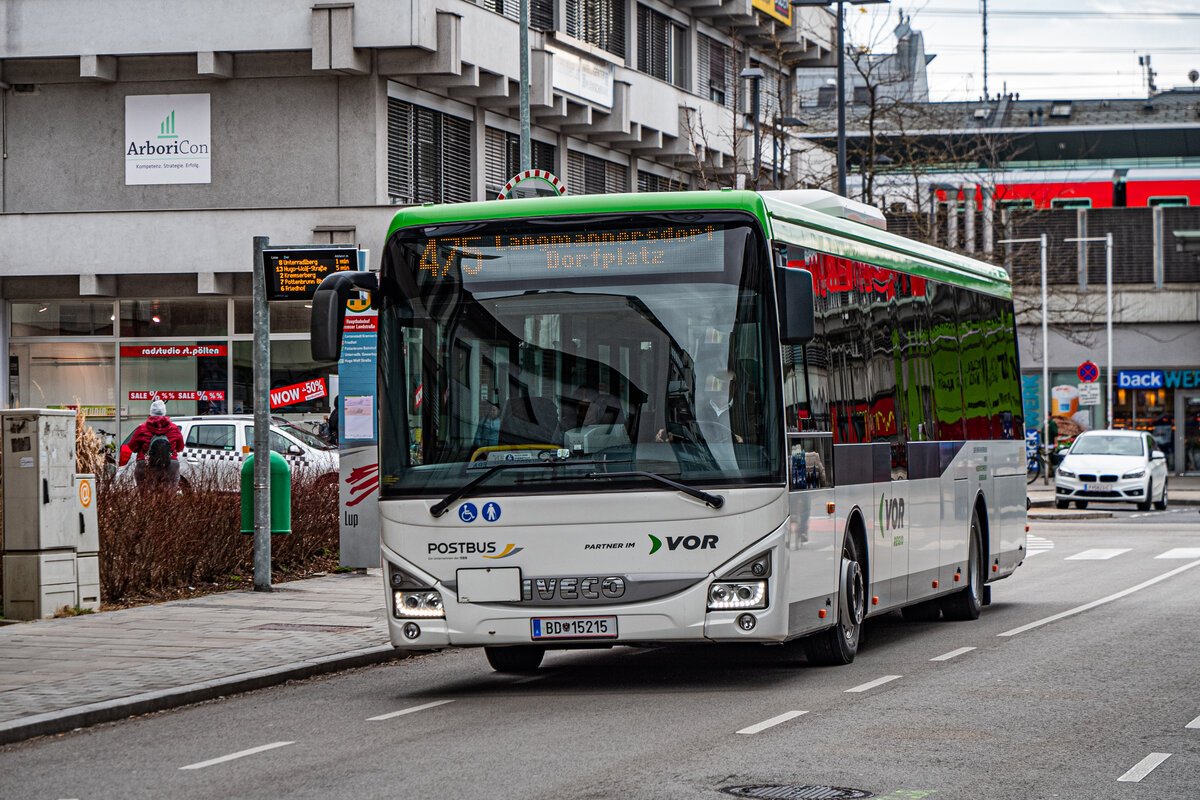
(296, 274)
(643, 251)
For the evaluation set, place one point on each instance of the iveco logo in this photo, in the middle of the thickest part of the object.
(589, 588)
(686, 542)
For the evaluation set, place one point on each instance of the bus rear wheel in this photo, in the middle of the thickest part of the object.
(966, 603)
(519, 658)
(838, 645)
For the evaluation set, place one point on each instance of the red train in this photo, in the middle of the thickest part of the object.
(1137, 187)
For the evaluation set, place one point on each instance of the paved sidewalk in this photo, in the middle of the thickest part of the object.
(60, 674)
(1181, 491)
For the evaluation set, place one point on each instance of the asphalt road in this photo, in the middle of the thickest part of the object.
(1081, 680)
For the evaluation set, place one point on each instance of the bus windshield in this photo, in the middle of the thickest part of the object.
(626, 344)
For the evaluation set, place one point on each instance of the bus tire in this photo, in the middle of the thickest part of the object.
(966, 602)
(518, 658)
(838, 645)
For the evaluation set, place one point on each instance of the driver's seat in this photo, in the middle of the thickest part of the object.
(529, 420)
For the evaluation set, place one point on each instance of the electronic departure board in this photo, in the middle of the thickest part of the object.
(573, 254)
(296, 274)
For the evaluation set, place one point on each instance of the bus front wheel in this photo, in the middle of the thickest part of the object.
(518, 658)
(839, 644)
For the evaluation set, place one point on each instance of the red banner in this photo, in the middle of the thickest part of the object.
(361, 323)
(298, 393)
(173, 350)
(174, 395)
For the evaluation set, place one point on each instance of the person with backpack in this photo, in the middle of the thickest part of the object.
(156, 443)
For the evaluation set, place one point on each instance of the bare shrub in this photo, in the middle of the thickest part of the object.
(156, 542)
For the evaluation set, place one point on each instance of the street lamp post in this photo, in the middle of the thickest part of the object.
(1045, 353)
(841, 79)
(777, 143)
(755, 74)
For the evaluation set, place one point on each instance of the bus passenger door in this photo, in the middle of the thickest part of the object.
(812, 536)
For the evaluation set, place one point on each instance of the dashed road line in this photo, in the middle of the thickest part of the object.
(1181, 552)
(877, 682)
(1194, 724)
(240, 754)
(952, 654)
(771, 723)
(1098, 554)
(1101, 601)
(410, 710)
(1144, 767)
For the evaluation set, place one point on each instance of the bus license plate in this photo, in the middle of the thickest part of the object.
(573, 628)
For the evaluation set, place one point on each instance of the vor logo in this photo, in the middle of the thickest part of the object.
(686, 542)
(891, 514)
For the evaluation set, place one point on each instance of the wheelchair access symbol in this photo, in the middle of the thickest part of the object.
(467, 512)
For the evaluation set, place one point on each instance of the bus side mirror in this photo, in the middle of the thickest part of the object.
(329, 311)
(796, 314)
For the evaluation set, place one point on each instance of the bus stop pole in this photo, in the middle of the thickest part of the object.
(262, 421)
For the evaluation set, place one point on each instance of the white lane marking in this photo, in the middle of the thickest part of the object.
(1194, 724)
(952, 654)
(1181, 552)
(1101, 601)
(1144, 767)
(877, 682)
(1036, 544)
(772, 722)
(1099, 554)
(241, 754)
(410, 710)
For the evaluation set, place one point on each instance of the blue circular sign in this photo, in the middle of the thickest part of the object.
(467, 512)
(491, 511)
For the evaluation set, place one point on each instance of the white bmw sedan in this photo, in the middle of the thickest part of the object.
(1112, 466)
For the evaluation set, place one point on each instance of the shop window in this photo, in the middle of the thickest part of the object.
(190, 377)
(211, 437)
(286, 316)
(291, 364)
(61, 319)
(160, 318)
(62, 374)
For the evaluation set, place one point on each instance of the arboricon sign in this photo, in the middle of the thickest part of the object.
(167, 139)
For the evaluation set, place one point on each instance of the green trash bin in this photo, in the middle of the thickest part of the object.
(281, 494)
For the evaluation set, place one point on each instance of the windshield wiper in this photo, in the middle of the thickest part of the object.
(439, 508)
(712, 500)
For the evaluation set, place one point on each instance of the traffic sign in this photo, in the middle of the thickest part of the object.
(1088, 372)
(1089, 394)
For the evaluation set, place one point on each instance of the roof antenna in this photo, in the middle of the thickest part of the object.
(1144, 62)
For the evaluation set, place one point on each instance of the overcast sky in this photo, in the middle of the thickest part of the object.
(1044, 49)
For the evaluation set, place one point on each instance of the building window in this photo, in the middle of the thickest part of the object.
(714, 71)
(662, 47)
(591, 175)
(1179, 201)
(429, 155)
(1071, 202)
(55, 318)
(649, 182)
(158, 318)
(58, 374)
(504, 158)
(541, 12)
(598, 22)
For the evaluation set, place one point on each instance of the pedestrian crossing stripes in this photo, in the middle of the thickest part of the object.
(1098, 554)
(1181, 553)
(1036, 544)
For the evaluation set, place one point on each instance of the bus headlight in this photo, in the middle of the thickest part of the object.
(727, 596)
(418, 604)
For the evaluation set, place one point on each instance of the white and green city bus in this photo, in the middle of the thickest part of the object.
(684, 417)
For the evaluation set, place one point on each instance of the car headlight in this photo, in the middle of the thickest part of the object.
(728, 596)
(1066, 473)
(1137, 473)
(418, 604)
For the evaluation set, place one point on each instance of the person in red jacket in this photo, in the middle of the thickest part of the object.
(156, 443)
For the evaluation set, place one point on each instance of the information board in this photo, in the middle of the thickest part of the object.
(296, 274)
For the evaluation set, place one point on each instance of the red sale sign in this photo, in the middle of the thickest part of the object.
(174, 395)
(298, 393)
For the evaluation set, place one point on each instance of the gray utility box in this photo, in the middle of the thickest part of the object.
(38, 452)
(38, 584)
(87, 547)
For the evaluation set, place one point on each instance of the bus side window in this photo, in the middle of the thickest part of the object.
(811, 460)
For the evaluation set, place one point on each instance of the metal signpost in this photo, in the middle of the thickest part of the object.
(262, 420)
(1108, 276)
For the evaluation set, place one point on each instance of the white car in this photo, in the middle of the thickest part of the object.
(1112, 466)
(215, 447)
